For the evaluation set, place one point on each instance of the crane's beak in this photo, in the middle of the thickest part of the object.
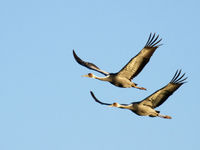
(85, 75)
(89, 75)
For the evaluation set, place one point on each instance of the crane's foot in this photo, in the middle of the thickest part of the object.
(164, 116)
(135, 86)
(142, 88)
(167, 117)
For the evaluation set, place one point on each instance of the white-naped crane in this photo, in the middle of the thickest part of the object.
(130, 70)
(146, 106)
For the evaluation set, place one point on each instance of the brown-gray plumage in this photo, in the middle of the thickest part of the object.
(146, 106)
(130, 70)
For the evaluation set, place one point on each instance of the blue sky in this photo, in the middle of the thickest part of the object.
(45, 103)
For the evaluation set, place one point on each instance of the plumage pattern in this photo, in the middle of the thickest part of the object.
(160, 96)
(146, 106)
(130, 70)
(137, 63)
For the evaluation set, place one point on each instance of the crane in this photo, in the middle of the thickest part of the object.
(146, 106)
(130, 70)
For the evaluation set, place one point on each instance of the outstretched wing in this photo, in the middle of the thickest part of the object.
(88, 64)
(160, 96)
(137, 63)
(98, 101)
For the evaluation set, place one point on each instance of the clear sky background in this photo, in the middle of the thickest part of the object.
(45, 103)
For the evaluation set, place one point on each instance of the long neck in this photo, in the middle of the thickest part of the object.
(125, 106)
(106, 78)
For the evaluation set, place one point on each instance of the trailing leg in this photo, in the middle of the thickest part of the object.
(164, 116)
(135, 86)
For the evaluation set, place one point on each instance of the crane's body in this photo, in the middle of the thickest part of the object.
(140, 109)
(146, 106)
(121, 81)
(114, 79)
(130, 70)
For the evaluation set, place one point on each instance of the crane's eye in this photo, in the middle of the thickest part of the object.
(90, 75)
(115, 104)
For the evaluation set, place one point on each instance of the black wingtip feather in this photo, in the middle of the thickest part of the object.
(148, 39)
(83, 63)
(174, 75)
(77, 58)
(94, 97)
(153, 41)
(92, 94)
(88, 65)
(177, 79)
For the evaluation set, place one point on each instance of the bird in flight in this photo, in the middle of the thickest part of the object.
(130, 70)
(146, 106)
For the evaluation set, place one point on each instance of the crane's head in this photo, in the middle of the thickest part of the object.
(89, 75)
(114, 105)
